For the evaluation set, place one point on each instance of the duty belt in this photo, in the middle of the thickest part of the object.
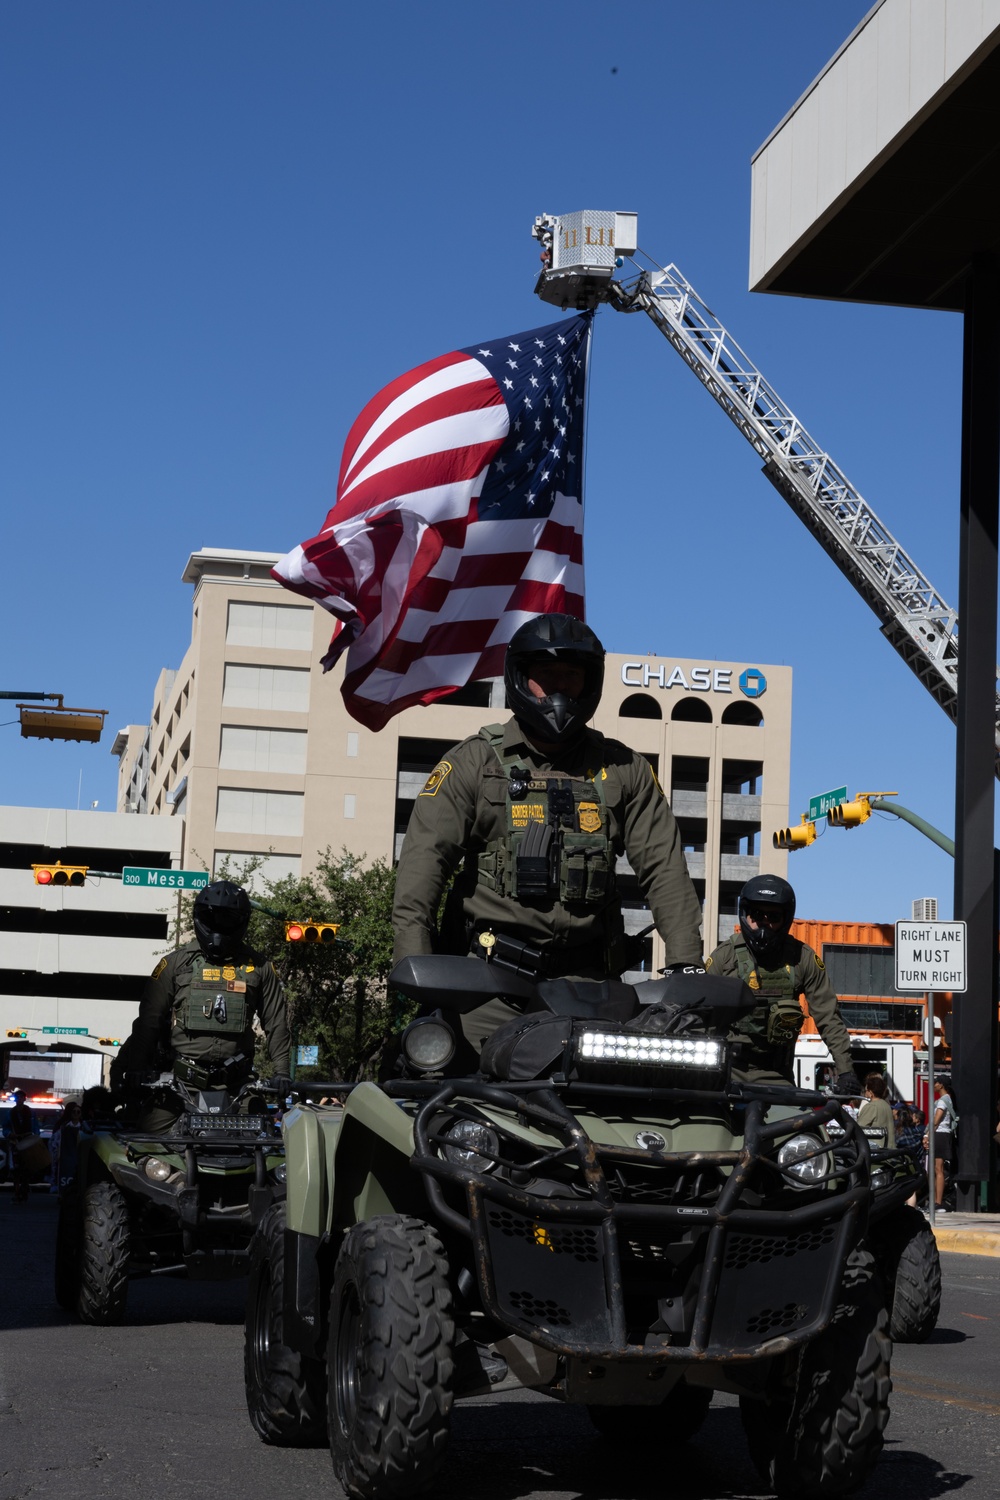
(537, 963)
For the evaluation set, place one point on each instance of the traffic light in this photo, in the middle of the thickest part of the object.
(311, 932)
(108, 1041)
(60, 874)
(19, 1036)
(850, 814)
(796, 838)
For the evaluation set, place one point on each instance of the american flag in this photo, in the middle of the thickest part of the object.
(459, 516)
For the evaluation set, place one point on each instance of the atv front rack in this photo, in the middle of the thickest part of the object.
(596, 1273)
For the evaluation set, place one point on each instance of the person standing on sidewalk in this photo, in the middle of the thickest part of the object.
(944, 1122)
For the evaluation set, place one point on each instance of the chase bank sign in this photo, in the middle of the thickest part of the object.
(640, 674)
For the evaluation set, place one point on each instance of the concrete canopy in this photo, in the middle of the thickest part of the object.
(883, 181)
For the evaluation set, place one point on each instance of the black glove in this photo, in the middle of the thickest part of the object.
(282, 1084)
(848, 1083)
(685, 969)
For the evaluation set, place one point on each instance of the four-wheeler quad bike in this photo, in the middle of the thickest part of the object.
(180, 1202)
(599, 1214)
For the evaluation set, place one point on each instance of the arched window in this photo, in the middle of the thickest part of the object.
(640, 706)
(743, 713)
(694, 710)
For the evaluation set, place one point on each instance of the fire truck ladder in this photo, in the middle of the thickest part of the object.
(913, 616)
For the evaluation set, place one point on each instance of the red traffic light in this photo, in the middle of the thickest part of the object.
(293, 932)
(310, 932)
(60, 874)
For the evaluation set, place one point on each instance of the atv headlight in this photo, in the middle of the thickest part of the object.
(803, 1159)
(428, 1044)
(156, 1170)
(881, 1178)
(470, 1143)
(633, 1047)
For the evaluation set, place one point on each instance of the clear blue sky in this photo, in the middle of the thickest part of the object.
(229, 222)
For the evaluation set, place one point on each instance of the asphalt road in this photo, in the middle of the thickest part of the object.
(155, 1409)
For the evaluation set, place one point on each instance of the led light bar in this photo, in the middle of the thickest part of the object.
(656, 1051)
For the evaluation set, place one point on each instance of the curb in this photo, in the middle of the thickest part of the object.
(968, 1241)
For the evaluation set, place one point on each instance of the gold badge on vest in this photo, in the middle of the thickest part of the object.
(589, 814)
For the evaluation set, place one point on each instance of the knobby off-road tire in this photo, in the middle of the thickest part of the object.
(104, 1255)
(69, 1251)
(390, 1365)
(911, 1269)
(286, 1392)
(675, 1420)
(825, 1438)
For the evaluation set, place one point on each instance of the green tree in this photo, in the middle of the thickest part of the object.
(337, 994)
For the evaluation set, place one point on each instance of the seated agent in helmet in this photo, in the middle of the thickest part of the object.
(532, 815)
(198, 1007)
(779, 969)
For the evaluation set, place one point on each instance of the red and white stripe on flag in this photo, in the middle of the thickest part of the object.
(458, 516)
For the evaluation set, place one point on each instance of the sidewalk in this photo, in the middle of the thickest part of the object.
(968, 1234)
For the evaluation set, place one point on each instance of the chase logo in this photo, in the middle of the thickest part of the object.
(753, 683)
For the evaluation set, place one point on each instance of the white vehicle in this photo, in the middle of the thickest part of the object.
(889, 1055)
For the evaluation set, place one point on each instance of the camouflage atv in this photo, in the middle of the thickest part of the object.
(599, 1214)
(183, 1202)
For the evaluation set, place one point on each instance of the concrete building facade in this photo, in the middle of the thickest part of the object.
(255, 750)
(74, 959)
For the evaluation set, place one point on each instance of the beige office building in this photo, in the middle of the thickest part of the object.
(254, 747)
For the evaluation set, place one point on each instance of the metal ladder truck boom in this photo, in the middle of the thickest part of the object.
(580, 254)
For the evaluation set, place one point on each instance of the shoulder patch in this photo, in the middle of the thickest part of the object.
(708, 963)
(656, 779)
(435, 779)
(819, 962)
(159, 968)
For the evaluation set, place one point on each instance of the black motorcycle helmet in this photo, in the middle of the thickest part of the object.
(774, 895)
(557, 719)
(221, 918)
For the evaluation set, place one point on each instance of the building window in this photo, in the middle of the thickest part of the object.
(282, 627)
(692, 710)
(858, 970)
(272, 867)
(239, 811)
(743, 713)
(861, 1017)
(276, 750)
(282, 688)
(640, 706)
(350, 804)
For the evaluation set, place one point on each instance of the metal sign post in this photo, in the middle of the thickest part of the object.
(930, 956)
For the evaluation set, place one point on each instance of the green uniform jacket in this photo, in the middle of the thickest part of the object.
(462, 809)
(157, 1035)
(808, 977)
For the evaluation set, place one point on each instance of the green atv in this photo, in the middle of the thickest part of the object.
(599, 1214)
(182, 1202)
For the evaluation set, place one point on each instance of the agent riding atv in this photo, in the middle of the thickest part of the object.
(184, 1075)
(599, 1213)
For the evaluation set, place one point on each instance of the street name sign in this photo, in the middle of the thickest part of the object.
(821, 805)
(168, 880)
(65, 1031)
(930, 956)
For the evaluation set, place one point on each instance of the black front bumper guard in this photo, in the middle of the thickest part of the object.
(183, 1199)
(740, 1241)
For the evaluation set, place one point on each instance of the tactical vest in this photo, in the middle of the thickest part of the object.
(556, 845)
(215, 1000)
(777, 1021)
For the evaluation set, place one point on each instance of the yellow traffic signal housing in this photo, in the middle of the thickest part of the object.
(311, 932)
(796, 838)
(850, 814)
(108, 1041)
(60, 874)
(21, 1036)
(82, 724)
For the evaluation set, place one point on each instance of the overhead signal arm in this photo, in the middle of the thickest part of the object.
(914, 618)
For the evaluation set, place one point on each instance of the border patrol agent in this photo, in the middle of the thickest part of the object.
(780, 968)
(198, 1007)
(532, 815)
